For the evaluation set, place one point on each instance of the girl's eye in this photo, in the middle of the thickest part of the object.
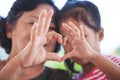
(85, 35)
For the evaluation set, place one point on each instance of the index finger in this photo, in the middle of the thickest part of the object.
(48, 20)
(41, 21)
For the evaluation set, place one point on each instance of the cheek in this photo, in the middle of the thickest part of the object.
(19, 41)
(26, 34)
(22, 37)
(93, 42)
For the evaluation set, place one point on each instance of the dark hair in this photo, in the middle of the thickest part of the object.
(84, 11)
(15, 13)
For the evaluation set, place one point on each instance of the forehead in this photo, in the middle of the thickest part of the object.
(67, 20)
(45, 6)
(77, 23)
(40, 7)
(36, 12)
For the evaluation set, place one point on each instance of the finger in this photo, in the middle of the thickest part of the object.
(57, 37)
(67, 55)
(69, 29)
(41, 21)
(74, 27)
(53, 57)
(81, 31)
(48, 20)
(54, 35)
(33, 32)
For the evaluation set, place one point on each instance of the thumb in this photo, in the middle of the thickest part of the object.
(67, 55)
(53, 56)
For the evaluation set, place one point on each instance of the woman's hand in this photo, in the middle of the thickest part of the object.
(34, 54)
(29, 62)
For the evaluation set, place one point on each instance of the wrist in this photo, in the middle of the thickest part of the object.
(11, 71)
(94, 56)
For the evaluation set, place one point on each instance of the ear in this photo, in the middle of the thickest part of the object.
(8, 30)
(101, 34)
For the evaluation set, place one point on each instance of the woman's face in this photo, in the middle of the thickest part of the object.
(90, 35)
(20, 35)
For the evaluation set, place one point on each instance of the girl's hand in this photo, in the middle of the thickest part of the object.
(80, 49)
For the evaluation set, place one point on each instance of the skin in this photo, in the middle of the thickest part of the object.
(77, 36)
(32, 44)
(31, 56)
(84, 49)
(21, 35)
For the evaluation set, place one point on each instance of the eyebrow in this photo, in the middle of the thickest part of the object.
(35, 17)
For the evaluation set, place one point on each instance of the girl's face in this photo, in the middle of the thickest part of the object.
(90, 35)
(20, 35)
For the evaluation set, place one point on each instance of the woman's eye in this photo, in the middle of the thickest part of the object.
(52, 29)
(31, 23)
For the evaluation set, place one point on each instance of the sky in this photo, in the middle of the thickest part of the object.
(110, 15)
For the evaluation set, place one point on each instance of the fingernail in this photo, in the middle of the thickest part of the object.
(44, 11)
(51, 11)
(70, 22)
(43, 14)
(63, 24)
